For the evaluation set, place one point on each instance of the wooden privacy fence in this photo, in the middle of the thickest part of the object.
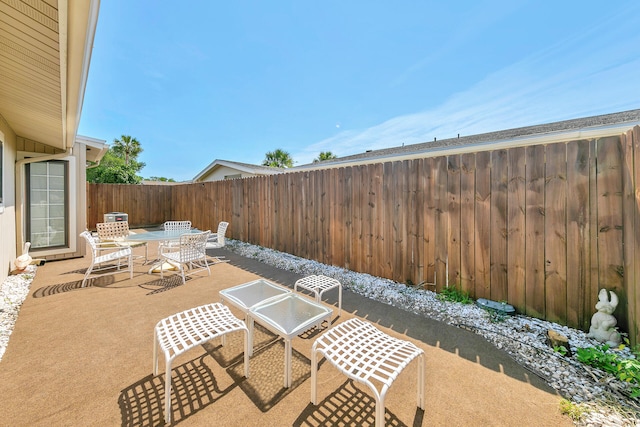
(542, 227)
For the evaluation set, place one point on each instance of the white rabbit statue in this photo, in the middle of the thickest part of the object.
(603, 323)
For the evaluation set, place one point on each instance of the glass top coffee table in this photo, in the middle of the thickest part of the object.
(279, 310)
(288, 316)
(245, 296)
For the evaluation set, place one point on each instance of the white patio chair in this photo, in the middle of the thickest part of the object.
(173, 226)
(216, 240)
(190, 253)
(115, 234)
(107, 263)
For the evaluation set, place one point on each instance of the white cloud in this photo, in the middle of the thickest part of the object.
(594, 72)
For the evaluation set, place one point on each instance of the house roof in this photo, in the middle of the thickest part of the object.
(242, 167)
(45, 49)
(594, 126)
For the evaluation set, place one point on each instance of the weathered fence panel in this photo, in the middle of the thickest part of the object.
(578, 232)
(145, 204)
(516, 223)
(541, 227)
(467, 222)
(498, 235)
(483, 225)
(454, 213)
(610, 237)
(555, 233)
(534, 243)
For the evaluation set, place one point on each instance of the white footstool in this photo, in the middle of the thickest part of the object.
(364, 353)
(319, 285)
(178, 333)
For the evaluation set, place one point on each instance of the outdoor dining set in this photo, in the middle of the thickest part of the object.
(355, 347)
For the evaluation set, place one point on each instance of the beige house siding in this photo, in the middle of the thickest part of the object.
(46, 50)
(8, 214)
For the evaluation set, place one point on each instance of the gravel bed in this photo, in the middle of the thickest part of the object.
(604, 400)
(13, 292)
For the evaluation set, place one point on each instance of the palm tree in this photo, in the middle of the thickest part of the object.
(278, 159)
(324, 155)
(127, 148)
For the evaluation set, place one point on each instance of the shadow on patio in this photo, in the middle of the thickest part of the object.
(83, 356)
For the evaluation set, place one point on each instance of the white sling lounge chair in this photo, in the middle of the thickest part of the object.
(107, 259)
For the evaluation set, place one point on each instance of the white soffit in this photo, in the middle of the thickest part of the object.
(41, 66)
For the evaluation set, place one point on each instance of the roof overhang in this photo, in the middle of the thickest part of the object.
(96, 148)
(45, 50)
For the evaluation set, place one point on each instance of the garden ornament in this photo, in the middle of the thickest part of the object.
(25, 259)
(603, 323)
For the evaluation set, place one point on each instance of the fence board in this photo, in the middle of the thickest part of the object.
(498, 203)
(555, 233)
(293, 215)
(419, 275)
(578, 213)
(440, 219)
(323, 208)
(255, 211)
(275, 197)
(377, 219)
(267, 212)
(303, 230)
(483, 225)
(634, 274)
(429, 210)
(467, 222)
(534, 270)
(629, 233)
(516, 206)
(594, 272)
(399, 249)
(347, 216)
(453, 228)
(337, 253)
(609, 184)
(357, 220)
(413, 224)
(315, 215)
(386, 225)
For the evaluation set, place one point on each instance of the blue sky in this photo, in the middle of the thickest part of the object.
(232, 80)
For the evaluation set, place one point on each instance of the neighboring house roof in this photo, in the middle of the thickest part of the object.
(44, 58)
(151, 182)
(590, 127)
(240, 167)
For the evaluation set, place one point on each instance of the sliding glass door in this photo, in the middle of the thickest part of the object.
(47, 204)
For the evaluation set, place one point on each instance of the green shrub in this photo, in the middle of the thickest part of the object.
(573, 410)
(453, 294)
(627, 370)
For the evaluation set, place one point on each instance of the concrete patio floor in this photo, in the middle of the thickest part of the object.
(83, 357)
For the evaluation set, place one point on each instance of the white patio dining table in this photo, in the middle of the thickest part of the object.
(159, 236)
